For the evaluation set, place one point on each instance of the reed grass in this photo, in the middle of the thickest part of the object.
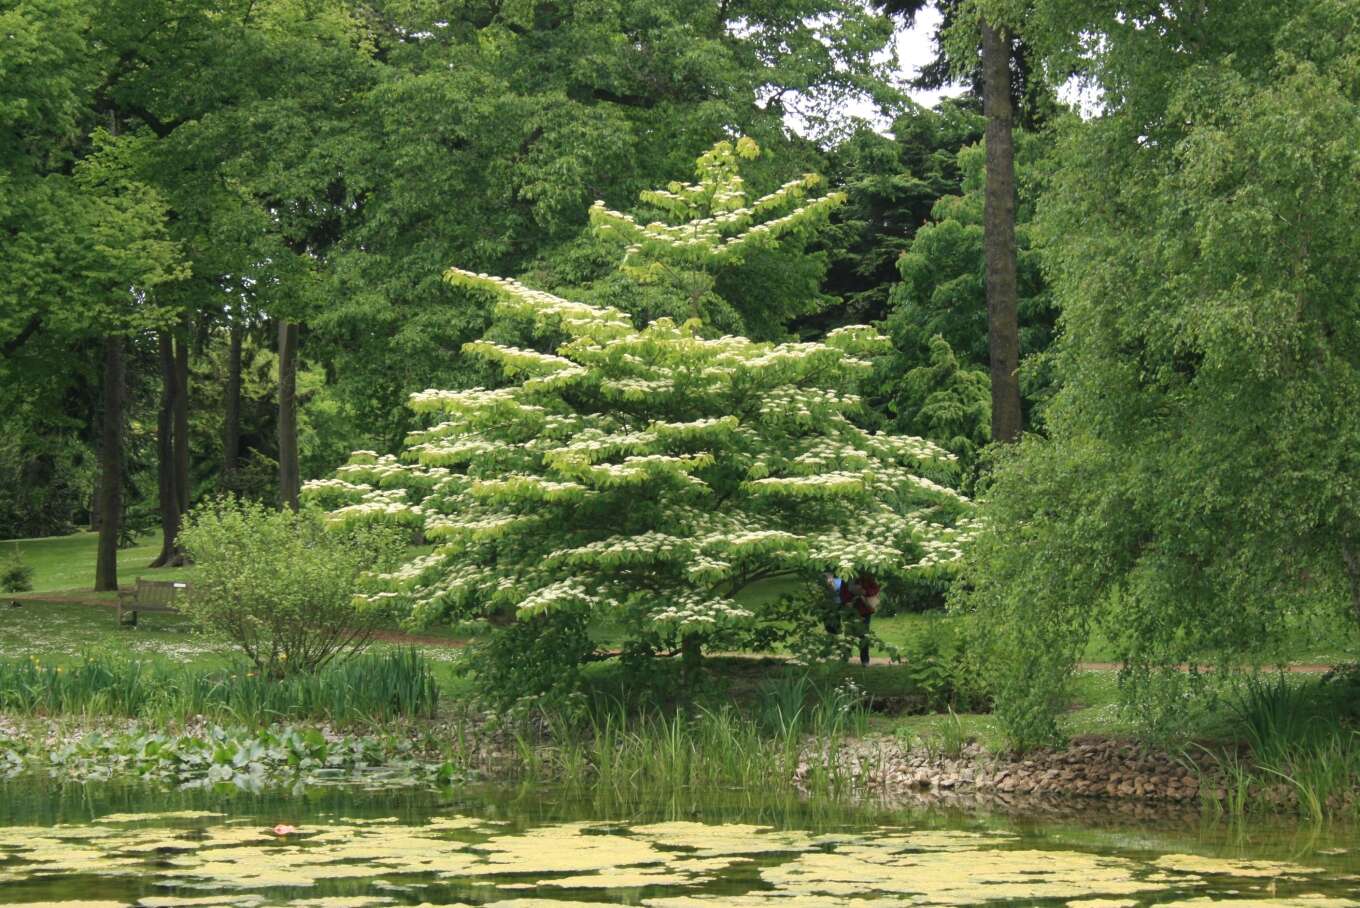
(796, 742)
(1297, 734)
(394, 684)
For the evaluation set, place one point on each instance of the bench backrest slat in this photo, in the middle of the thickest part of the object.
(158, 592)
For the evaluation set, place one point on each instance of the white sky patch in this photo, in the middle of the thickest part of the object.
(913, 48)
(916, 48)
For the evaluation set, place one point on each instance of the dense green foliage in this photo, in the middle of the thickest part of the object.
(1196, 488)
(180, 180)
(281, 586)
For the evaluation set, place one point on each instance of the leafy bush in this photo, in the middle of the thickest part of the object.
(537, 659)
(15, 575)
(944, 668)
(281, 586)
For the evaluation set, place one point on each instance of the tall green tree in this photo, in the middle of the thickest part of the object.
(1001, 71)
(493, 128)
(892, 184)
(1195, 496)
(943, 286)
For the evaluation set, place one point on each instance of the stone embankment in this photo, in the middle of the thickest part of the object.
(1092, 768)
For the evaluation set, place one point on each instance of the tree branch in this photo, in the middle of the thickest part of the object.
(14, 343)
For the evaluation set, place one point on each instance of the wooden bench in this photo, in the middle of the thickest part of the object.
(148, 596)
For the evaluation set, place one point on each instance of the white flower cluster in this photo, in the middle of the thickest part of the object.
(433, 399)
(380, 504)
(521, 486)
(640, 469)
(336, 486)
(905, 448)
(555, 594)
(621, 551)
(832, 483)
(593, 446)
(585, 320)
(519, 359)
(716, 221)
(690, 610)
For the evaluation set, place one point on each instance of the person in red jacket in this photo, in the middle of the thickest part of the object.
(861, 594)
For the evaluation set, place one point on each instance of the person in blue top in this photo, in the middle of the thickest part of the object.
(858, 596)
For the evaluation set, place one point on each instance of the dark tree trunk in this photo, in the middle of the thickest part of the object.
(95, 506)
(111, 466)
(289, 481)
(165, 454)
(1350, 557)
(231, 423)
(1003, 323)
(691, 658)
(182, 417)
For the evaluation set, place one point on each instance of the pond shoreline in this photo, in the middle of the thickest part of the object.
(1115, 773)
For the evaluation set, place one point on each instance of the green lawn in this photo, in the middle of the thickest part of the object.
(1319, 641)
(66, 563)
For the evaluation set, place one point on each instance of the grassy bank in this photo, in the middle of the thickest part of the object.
(747, 722)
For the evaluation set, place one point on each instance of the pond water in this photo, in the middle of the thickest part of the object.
(110, 847)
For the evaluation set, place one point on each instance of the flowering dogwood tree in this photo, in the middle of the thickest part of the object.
(715, 223)
(710, 246)
(652, 474)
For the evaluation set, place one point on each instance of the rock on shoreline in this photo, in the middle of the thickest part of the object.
(1089, 768)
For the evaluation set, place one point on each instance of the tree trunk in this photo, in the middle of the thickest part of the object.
(1350, 557)
(289, 481)
(165, 454)
(691, 658)
(1003, 322)
(95, 506)
(182, 417)
(111, 466)
(231, 425)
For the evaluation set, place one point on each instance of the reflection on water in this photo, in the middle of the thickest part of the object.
(89, 847)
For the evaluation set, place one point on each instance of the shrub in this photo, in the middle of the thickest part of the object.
(281, 586)
(15, 575)
(539, 659)
(943, 667)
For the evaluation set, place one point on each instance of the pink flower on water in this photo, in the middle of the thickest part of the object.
(284, 829)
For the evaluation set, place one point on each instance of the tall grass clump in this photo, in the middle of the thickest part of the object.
(795, 741)
(1299, 733)
(377, 687)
